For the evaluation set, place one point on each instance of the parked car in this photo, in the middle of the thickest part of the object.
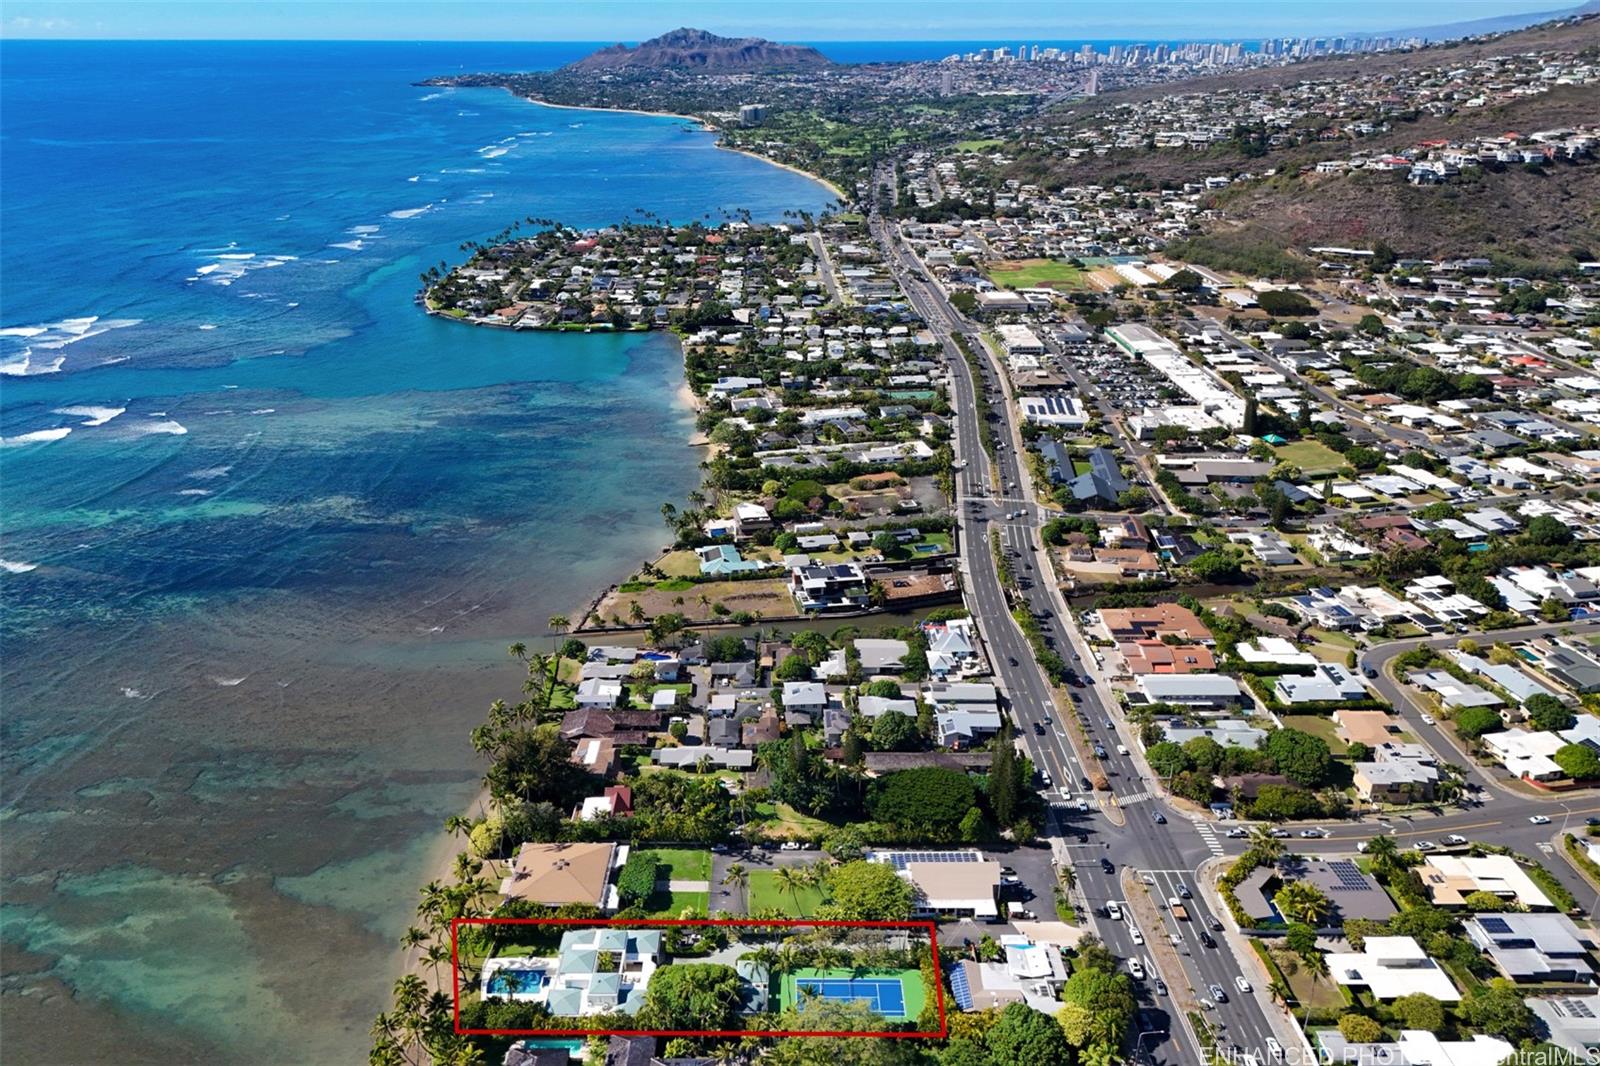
(1426, 845)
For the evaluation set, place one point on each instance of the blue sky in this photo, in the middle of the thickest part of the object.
(793, 20)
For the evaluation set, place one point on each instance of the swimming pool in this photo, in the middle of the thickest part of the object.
(515, 982)
(925, 549)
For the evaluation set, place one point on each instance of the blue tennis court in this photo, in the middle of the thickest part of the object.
(885, 996)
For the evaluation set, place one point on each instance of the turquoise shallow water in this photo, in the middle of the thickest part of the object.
(257, 594)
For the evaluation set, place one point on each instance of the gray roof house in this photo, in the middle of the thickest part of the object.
(1327, 683)
(1103, 481)
(1531, 947)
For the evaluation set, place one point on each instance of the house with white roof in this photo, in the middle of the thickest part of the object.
(1526, 754)
(1390, 967)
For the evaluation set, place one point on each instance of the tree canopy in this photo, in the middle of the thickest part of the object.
(692, 995)
(929, 798)
(865, 891)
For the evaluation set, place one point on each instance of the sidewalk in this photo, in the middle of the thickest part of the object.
(1284, 1027)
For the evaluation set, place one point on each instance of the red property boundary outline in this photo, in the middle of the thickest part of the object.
(651, 923)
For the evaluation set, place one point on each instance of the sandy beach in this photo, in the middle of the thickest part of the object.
(708, 127)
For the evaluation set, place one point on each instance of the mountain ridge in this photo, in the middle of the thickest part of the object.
(700, 50)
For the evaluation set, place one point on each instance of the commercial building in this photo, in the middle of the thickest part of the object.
(960, 884)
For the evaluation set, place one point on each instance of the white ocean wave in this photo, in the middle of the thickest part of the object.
(171, 426)
(26, 367)
(211, 472)
(264, 411)
(208, 326)
(10, 567)
(432, 96)
(229, 682)
(292, 303)
(414, 178)
(38, 436)
(194, 492)
(227, 267)
(354, 246)
(96, 416)
(133, 693)
(51, 336)
(493, 151)
(411, 212)
(363, 229)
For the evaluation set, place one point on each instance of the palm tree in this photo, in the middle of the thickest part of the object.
(1268, 847)
(518, 650)
(413, 938)
(635, 612)
(740, 878)
(1382, 850)
(790, 957)
(560, 623)
(1300, 901)
(466, 867)
(458, 825)
(790, 880)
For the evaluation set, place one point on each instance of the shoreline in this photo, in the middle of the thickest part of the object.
(703, 124)
(441, 857)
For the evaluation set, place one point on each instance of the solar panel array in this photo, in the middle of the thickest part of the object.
(1494, 924)
(1349, 875)
(960, 989)
(898, 859)
(1575, 1008)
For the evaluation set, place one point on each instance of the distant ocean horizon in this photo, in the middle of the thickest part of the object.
(266, 529)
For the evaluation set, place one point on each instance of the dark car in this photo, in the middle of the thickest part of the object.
(1205, 938)
(1038, 729)
(1370, 672)
(1084, 781)
(1214, 923)
(1108, 866)
(1160, 818)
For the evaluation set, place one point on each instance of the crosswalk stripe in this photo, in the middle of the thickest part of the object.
(1209, 836)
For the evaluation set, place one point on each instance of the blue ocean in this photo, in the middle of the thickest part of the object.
(265, 529)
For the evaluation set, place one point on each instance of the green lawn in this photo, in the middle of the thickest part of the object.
(911, 988)
(1318, 726)
(664, 904)
(686, 864)
(765, 895)
(1311, 456)
(979, 145)
(782, 820)
(1032, 273)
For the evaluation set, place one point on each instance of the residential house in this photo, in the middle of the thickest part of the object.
(1532, 947)
(1449, 879)
(1390, 967)
(558, 874)
(1327, 683)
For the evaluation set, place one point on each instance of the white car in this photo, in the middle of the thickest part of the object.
(1114, 911)
(1241, 984)
(1539, 819)
(1427, 719)
(1455, 839)
(1426, 845)
(1138, 937)
(1136, 968)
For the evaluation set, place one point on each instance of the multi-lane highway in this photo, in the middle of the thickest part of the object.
(1125, 828)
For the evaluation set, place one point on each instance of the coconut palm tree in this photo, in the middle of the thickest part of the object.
(790, 880)
(559, 623)
(458, 825)
(739, 877)
(1268, 847)
(1382, 850)
(1300, 901)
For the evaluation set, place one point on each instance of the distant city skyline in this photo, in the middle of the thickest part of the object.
(805, 20)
